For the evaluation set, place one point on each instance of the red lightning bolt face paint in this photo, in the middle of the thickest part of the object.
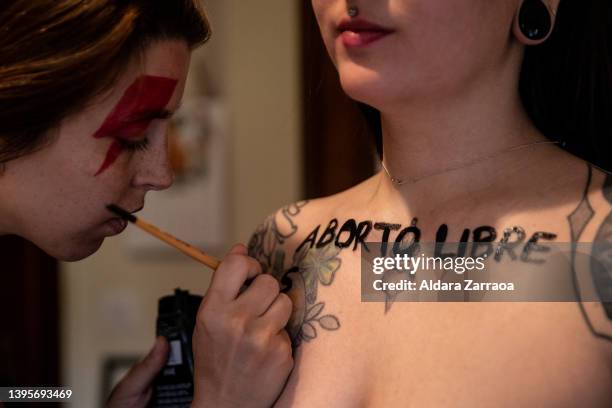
(140, 104)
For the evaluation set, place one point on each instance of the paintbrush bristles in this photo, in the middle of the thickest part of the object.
(121, 213)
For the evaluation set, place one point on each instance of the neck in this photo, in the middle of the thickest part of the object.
(425, 139)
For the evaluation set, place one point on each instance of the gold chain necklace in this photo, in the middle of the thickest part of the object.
(399, 182)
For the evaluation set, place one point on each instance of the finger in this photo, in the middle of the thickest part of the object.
(278, 314)
(141, 375)
(238, 249)
(231, 274)
(283, 337)
(284, 345)
(258, 297)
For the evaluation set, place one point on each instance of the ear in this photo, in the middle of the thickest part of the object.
(534, 20)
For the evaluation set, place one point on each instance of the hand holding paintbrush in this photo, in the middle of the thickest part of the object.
(239, 339)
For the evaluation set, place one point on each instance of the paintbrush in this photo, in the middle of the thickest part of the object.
(184, 247)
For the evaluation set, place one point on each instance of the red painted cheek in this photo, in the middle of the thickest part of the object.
(146, 94)
(112, 154)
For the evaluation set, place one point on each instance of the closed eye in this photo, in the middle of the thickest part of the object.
(135, 145)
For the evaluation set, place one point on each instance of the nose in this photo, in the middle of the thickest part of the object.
(154, 171)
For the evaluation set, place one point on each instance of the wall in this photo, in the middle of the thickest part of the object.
(109, 301)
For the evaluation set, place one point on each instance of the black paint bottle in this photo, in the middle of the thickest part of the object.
(173, 386)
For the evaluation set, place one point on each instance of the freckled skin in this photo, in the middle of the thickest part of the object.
(56, 197)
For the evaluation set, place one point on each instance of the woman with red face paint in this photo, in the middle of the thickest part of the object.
(86, 91)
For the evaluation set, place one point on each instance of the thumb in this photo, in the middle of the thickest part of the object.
(140, 377)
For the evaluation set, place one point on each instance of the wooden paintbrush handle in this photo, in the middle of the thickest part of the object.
(184, 247)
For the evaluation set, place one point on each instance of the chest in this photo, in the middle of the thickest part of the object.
(353, 353)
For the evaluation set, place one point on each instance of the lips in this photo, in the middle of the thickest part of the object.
(356, 33)
(116, 225)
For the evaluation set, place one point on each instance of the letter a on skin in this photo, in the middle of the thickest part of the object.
(142, 102)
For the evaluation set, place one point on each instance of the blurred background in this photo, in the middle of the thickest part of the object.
(264, 123)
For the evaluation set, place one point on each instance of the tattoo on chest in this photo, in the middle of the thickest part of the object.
(354, 235)
(307, 270)
(600, 265)
(316, 260)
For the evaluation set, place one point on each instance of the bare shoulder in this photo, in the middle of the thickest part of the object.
(276, 239)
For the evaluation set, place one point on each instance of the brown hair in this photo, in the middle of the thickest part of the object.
(56, 55)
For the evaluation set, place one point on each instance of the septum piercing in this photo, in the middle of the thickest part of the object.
(352, 10)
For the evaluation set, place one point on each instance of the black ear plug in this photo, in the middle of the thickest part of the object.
(535, 20)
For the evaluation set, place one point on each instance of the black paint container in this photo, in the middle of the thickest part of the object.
(173, 386)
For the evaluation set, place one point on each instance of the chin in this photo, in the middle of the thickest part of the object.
(365, 85)
(76, 252)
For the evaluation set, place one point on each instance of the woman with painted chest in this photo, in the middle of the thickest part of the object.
(488, 116)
